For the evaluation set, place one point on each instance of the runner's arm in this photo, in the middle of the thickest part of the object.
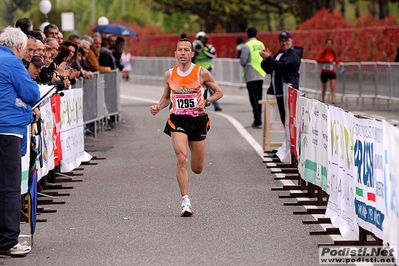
(210, 82)
(165, 99)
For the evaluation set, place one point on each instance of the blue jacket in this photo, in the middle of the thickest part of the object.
(286, 69)
(18, 92)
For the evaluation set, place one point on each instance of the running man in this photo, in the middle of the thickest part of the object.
(188, 123)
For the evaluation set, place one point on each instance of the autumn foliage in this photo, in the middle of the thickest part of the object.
(366, 39)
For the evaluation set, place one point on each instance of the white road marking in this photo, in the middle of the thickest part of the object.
(240, 128)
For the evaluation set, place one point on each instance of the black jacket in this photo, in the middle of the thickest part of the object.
(117, 55)
(286, 69)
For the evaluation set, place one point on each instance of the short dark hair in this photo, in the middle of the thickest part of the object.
(73, 37)
(24, 24)
(185, 40)
(36, 34)
(239, 40)
(119, 40)
(252, 32)
(50, 26)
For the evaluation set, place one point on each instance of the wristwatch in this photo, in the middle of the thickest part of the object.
(208, 103)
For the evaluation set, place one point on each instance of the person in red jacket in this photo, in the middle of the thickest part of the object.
(328, 60)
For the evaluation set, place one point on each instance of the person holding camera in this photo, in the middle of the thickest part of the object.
(204, 53)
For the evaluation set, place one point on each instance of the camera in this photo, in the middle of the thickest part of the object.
(59, 84)
(198, 45)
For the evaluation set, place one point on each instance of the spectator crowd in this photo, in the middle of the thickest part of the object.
(33, 57)
(59, 61)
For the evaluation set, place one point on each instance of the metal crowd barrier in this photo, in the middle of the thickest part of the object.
(101, 98)
(374, 81)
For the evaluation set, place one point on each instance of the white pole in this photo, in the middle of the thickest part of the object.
(123, 6)
(93, 11)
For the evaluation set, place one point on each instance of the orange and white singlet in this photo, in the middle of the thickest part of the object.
(186, 91)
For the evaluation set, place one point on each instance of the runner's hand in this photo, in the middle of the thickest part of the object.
(154, 109)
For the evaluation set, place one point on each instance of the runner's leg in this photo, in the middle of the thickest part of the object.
(323, 92)
(198, 149)
(180, 146)
(332, 84)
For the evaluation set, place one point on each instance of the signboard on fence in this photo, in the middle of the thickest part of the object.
(314, 140)
(369, 175)
(72, 138)
(273, 126)
(25, 164)
(293, 99)
(390, 225)
(45, 159)
(340, 206)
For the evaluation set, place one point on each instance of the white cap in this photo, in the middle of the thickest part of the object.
(201, 34)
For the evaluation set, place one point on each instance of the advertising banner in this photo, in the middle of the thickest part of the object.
(341, 171)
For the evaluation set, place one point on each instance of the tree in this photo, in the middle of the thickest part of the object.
(232, 14)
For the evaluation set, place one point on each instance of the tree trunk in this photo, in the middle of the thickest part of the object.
(304, 10)
(236, 23)
(343, 7)
(373, 7)
(357, 8)
(268, 22)
(210, 25)
(384, 9)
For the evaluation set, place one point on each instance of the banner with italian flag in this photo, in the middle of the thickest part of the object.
(369, 174)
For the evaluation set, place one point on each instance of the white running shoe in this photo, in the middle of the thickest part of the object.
(186, 211)
(20, 249)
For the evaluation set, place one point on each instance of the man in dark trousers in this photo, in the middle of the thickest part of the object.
(18, 93)
(284, 68)
(250, 59)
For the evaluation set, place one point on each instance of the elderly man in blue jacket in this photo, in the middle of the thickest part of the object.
(18, 92)
(284, 68)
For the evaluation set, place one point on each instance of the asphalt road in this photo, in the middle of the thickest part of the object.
(126, 209)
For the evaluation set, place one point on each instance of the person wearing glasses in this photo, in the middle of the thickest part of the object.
(283, 68)
(30, 50)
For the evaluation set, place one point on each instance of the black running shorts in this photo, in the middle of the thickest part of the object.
(326, 76)
(195, 127)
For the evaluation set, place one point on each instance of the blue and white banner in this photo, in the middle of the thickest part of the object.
(369, 175)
